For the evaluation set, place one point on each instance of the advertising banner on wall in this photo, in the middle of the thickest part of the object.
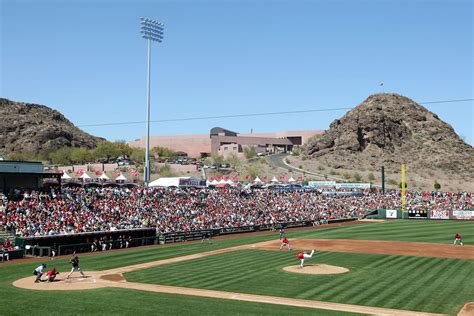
(192, 183)
(315, 184)
(391, 213)
(464, 215)
(353, 185)
(438, 214)
(417, 214)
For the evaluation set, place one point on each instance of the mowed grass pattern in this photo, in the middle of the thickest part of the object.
(400, 230)
(16, 301)
(401, 282)
(110, 301)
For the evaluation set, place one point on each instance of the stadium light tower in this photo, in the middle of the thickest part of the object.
(151, 30)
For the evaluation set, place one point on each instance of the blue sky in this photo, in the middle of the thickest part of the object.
(87, 60)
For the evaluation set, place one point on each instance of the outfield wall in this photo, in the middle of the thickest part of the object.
(166, 238)
(465, 215)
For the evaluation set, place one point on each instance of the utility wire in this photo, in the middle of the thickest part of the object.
(251, 114)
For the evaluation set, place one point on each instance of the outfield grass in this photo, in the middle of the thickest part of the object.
(400, 230)
(400, 282)
(14, 301)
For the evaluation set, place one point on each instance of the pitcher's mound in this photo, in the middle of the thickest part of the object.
(316, 269)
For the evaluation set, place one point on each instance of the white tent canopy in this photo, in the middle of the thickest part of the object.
(257, 179)
(229, 182)
(65, 176)
(274, 180)
(291, 180)
(166, 182)
(214, 182)
(121, 177)
(103, 176)
(85, 176)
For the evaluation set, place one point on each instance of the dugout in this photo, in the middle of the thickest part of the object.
(81, 242)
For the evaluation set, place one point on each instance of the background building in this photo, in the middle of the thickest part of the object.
(24, 175)
(219, 139)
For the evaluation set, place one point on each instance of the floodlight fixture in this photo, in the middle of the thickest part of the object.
(151, 30)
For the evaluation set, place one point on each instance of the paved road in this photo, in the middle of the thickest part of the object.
(278, 161)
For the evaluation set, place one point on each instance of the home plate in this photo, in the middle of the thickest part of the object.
(316, 269)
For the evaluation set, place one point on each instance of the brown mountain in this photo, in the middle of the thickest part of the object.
(387, 129)
(26, 127)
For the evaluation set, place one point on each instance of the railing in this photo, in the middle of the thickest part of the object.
(68, 244)
(173, 237)
(116, 244)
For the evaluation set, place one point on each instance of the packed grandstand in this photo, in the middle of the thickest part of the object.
(76, 210)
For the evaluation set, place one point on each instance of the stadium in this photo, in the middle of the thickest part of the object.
(364, 262)
(236, 158)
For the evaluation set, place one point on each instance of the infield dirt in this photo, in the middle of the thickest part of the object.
(114, 277)
(376, 246)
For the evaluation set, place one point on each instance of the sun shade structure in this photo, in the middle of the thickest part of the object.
(166, 182)
(121, 177)
(104, 176)
(65, 176)
(85, 176)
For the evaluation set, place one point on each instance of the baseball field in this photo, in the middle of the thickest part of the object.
(398, 267)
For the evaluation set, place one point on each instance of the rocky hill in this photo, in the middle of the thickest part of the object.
(28, 127)
(387, 129)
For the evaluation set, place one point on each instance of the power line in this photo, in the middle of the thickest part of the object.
(251, 114)
(218, 117)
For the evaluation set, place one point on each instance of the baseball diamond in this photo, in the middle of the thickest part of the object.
(380, 277)
(296, 158)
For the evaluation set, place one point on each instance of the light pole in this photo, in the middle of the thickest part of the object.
(151, 30)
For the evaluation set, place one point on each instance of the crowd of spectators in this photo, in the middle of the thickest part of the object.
(76, 210)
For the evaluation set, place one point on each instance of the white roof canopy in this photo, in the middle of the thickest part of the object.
(274, 179)
(291, 180)
(65, 176)
(166, 182)
(85, 176)
(121, 177)
(103, 176)
(257, 179)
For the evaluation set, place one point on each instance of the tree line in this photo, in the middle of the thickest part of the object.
(105, 151)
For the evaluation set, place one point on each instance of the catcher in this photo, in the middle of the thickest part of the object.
(75, 266)
(51, 274)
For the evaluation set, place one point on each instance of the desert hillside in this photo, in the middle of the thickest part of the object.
(26, 127)
(387, 129)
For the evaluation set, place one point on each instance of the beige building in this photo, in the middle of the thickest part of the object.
(223, 142)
